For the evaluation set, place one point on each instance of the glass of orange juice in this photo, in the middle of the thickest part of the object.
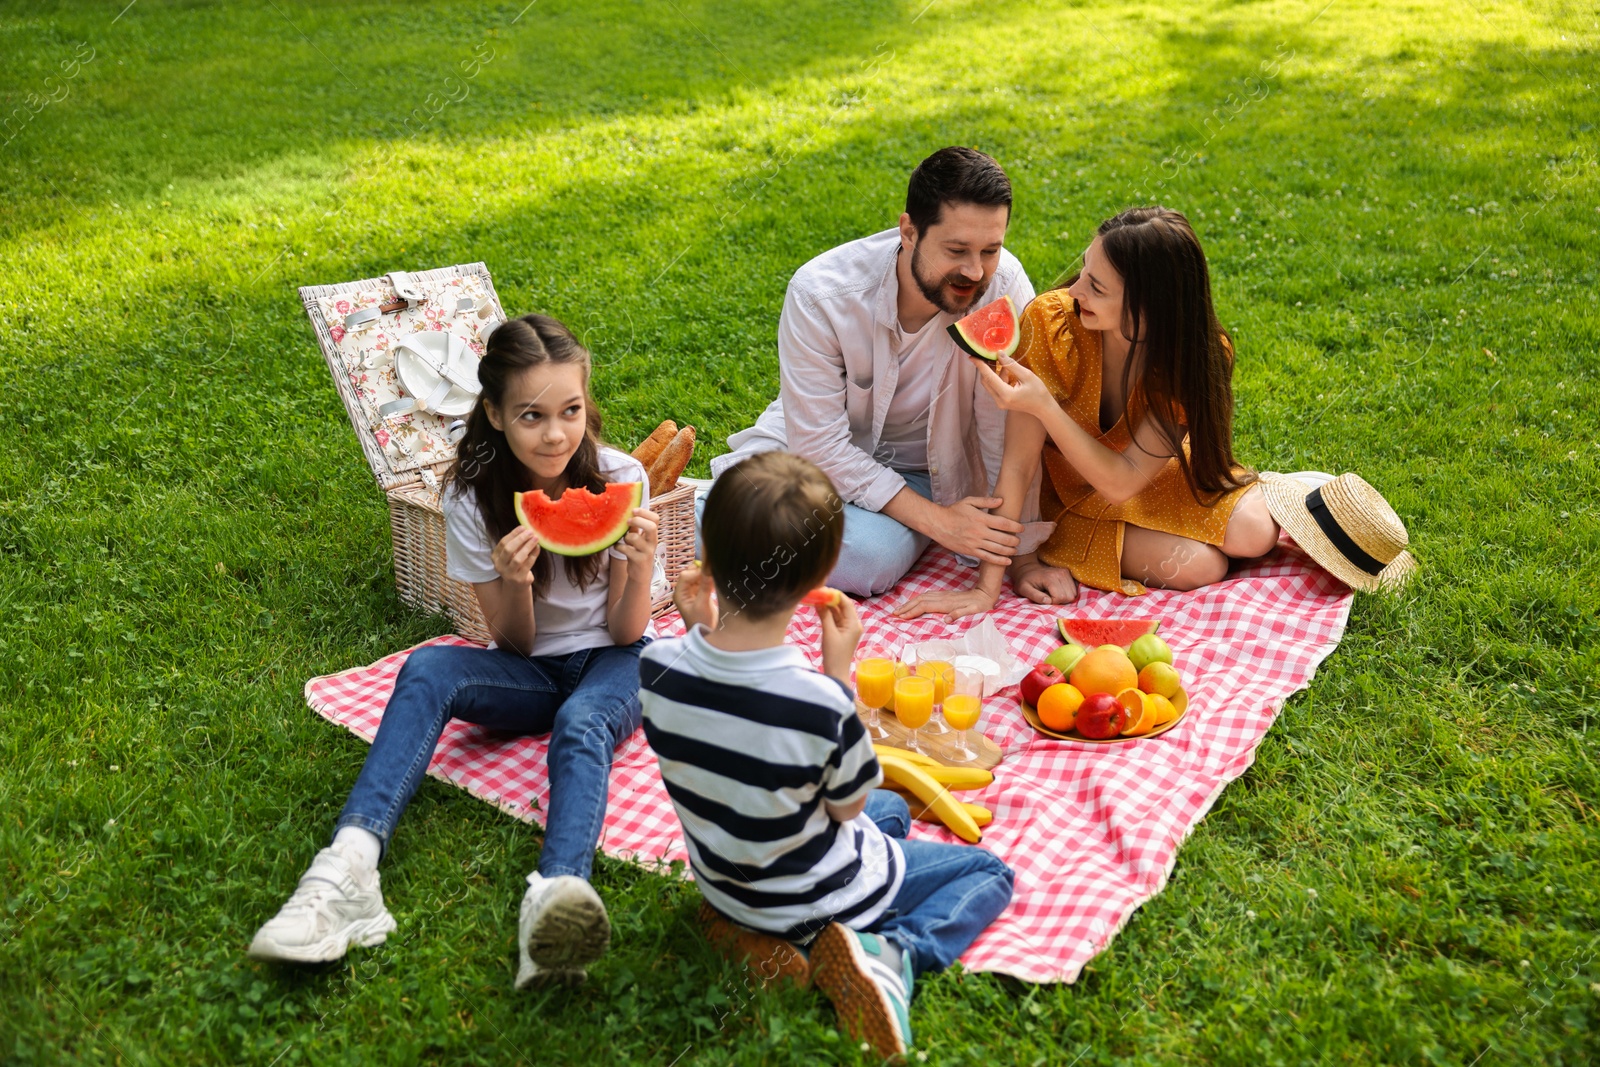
(913, 706)
(962, 706)
(940, 671)
(875, 674)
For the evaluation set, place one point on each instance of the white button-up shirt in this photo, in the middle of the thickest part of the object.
(838, 374)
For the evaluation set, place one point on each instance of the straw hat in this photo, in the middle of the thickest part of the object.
(1346, 526)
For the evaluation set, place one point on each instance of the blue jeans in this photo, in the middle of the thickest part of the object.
(587, 701)
(949, 895)
(877, 551)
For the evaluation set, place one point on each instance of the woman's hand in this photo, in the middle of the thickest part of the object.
(954, 605)
(841, 633)
(1016, 388)
(513, 557)
(1042, 584)
(693, 596)
(639, 546)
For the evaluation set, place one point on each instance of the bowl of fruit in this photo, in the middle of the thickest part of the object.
(1111, 682)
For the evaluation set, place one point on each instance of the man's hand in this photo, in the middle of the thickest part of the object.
(1035, 581)
(841, 632)
(692, 596)
(966, 527)
(954, 604)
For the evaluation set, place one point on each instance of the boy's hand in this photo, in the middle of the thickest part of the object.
(639, 546)
(841, 632)
(513, 557)
(692, 596)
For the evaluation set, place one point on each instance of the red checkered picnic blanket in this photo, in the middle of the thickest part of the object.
(1092, 831)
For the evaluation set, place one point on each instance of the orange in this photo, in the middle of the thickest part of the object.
(1141, 711)
(1105, 670)
(1162, 678)
(1058, 707)
(1165, 712)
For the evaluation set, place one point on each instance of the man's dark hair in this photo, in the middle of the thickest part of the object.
(955, 176)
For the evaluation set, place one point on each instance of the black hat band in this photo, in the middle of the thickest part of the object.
(1335, 533)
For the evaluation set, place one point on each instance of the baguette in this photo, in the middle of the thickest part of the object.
(651, 446)
(669, 465)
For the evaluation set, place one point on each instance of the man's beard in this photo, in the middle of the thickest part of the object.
(934, 291)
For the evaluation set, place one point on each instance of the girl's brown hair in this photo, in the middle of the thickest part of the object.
(484, 462)
(1183, 356)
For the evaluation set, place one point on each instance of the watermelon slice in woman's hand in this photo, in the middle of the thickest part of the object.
(990, 332)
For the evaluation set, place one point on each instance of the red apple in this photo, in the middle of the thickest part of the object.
(1102, 716)
(1038, 680)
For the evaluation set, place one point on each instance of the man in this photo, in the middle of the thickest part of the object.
(874, 391)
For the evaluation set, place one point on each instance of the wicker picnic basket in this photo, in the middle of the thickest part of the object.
(408, 454)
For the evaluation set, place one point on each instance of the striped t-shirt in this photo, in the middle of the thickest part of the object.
(751, 745)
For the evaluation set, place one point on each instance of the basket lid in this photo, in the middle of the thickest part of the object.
(389, 354)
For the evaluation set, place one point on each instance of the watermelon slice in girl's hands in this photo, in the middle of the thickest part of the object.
(1092, 633)
(990, 332)
(579, 523)
(821, 597)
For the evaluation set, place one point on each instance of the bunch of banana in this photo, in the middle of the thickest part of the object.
(926, 784)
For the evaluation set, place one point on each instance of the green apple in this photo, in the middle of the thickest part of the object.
(1147, 650)
(1066, 657)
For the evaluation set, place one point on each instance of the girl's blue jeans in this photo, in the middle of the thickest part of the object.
(587, 701)
(949, 895)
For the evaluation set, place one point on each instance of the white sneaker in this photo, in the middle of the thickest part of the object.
(561, 930)
(329, 911)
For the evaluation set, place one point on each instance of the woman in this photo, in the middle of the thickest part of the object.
(565, 662)
(1123, 383)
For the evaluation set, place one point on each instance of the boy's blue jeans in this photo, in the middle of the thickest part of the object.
(949, 895)
(587, 701)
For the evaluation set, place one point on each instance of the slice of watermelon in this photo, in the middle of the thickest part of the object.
(579, 523)
(821, 597)
(1092, 633)
(990, 332)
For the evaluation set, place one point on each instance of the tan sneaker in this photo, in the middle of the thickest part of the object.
(770, 958)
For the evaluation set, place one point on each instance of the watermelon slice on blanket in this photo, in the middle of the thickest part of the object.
(1092, 633)
(579, 523)
(990, 332)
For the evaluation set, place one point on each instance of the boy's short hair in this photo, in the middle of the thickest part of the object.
(770, 532)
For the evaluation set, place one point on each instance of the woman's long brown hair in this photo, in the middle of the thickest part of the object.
(1183, 356)
(484, 462)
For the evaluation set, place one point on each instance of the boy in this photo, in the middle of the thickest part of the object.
(773, 776)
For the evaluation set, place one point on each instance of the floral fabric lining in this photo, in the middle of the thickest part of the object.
(417, 440)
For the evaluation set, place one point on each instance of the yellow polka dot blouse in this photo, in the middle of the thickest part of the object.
(1088, 536)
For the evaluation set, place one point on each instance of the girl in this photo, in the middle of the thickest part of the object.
(1123, 384)
(565, 661)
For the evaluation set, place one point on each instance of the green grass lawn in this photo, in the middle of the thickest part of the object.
(1401, 205)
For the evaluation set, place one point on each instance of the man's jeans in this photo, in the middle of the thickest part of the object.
(877, 551)
(587, 701)
(949, 895)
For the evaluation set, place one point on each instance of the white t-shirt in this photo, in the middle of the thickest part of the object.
(903, 445)
(566, 619)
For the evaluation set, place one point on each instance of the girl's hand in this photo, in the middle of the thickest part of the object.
(1016, 388)
(692, 595)
(639, 546)
(841, 633)
(513, 557)
(1043, 584)
(954, 605)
